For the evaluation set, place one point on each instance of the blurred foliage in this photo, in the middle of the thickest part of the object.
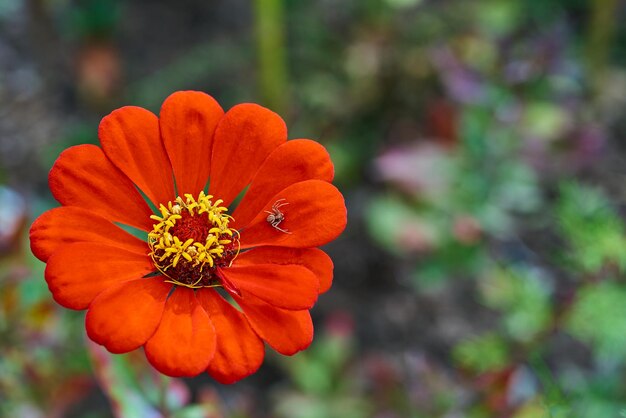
(477, 143)
(94, 19)
(523, 298)
(321, 389)
(44, 367)
(598, 319)
(483, 353)
(593, 228)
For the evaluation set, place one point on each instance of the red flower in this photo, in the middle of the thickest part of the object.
(173, 291)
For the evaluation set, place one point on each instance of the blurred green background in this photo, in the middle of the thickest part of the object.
(480, 147)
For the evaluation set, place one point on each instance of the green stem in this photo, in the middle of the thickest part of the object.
(163, 388)
(272, 55)
(601, 29)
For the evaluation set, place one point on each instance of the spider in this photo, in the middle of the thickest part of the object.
(275, 217)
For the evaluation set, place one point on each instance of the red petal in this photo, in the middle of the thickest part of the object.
(240, 351)
(285, 331)
(229, 286)
(286, 286)
(292, 162)
(188, 120)
(313, 259)
(124, 317)
(83, 176)
(67, 225)
(79, 272)
(314, 211)
(130, 138)
(245, 136)
(184, 342)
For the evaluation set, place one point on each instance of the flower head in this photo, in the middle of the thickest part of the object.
(228, 258)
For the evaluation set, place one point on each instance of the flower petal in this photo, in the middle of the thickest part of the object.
(285, 286)
(66, 225)
(83, 176)
(188, 120)
(79, 272)
(130, 138)
(314, 259)
(285, 331)
(244, 137)
(314, 214)
(292, 162)
(124, 317)
(184, 342)
(239, 351)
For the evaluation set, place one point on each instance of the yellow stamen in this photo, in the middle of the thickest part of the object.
(168, 251)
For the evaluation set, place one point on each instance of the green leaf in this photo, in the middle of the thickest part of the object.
(319, 370)
(197, 411)
(545, 120)
(483, 353)
(537, 408)
(398, 227)
(524, 298)
(302, 406)
(592, 227)
(598, 318)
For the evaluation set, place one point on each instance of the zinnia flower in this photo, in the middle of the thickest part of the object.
(207, 285)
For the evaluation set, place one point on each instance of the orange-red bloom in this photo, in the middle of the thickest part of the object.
(173, 292)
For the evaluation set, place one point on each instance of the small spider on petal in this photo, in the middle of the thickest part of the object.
(275, 217)
(209, 285)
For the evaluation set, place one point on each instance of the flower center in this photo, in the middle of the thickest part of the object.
(192, 239)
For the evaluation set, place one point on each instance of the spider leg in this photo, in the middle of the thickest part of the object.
(282, 230)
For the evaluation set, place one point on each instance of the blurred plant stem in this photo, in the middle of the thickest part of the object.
(164, 384)
(601, 30)
(272, 56)
(44, 40)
